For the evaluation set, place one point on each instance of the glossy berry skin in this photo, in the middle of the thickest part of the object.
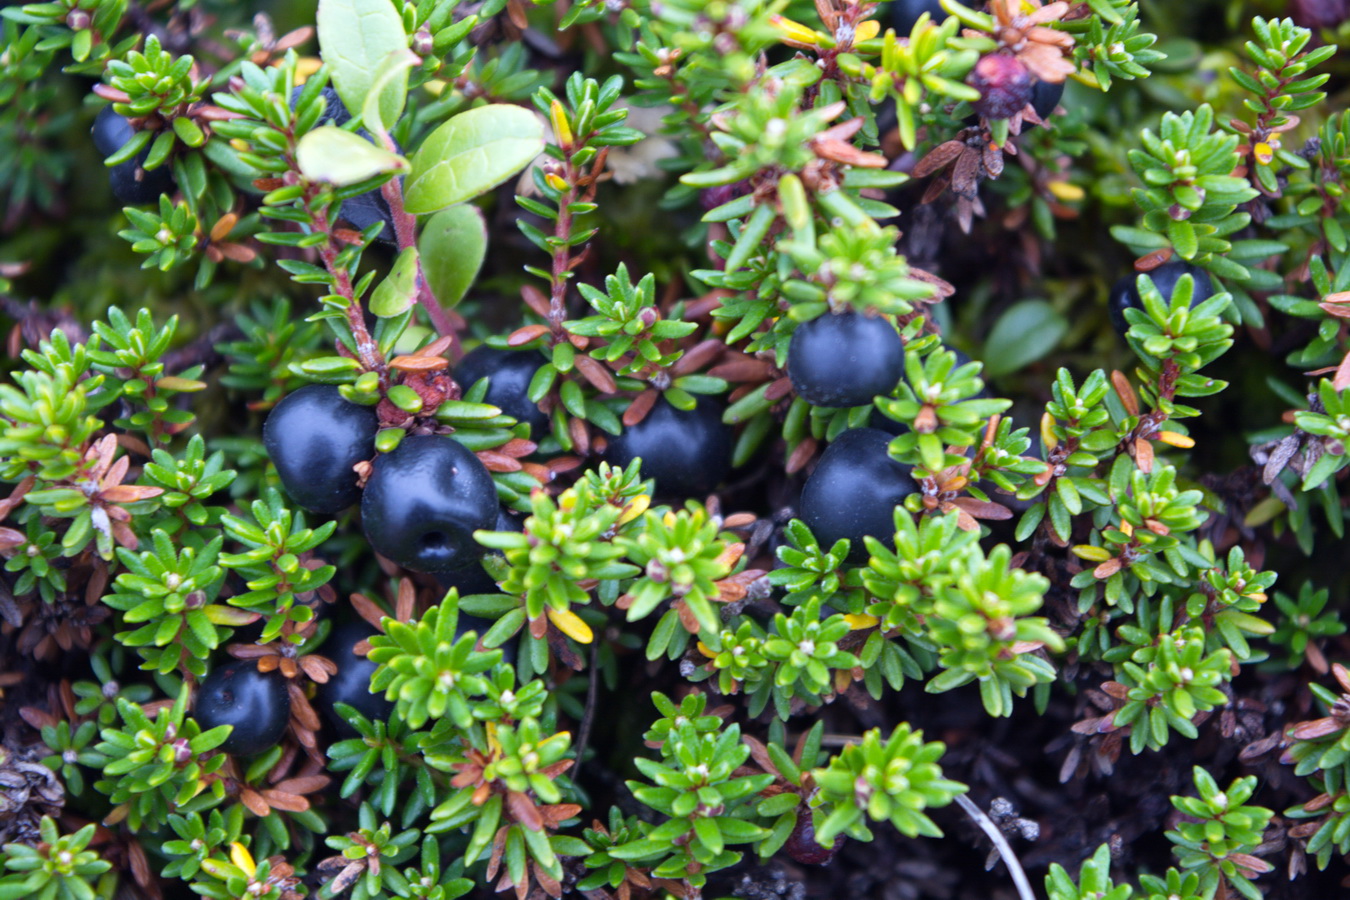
(351, 684)
(854, 490)
(366, 209)
(1045, 96)
(131, 184)
(509, 372)
(905, 13)
(688, 453)
(1125, 292)
(314, 438)
(1004, 84)
(255, 703)
(423, 502)
(845, 359)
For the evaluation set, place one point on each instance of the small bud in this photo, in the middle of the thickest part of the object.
(422, 43)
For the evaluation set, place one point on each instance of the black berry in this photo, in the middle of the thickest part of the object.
(423, 502)
(905, 13)
(509, 373)
(314, 438)
(1045, 96)
(1125, 292)
(351, 684)
(474, 579)
(366, 209)
(854, 490)
(1004, 84)
(255, 703)
(688, 453)
(131, 184)
(845, 360)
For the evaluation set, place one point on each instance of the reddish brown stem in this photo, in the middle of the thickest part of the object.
(367, 351)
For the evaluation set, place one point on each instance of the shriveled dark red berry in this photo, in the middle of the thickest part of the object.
(1319, 13)
(1125, 292)
(1004, 84)
(688, 453)
(423, 502)
(255, 703)
(1045, 96)
(854, 490)
(845, 359)
(314, 437)
(508, 373)
(802, 845)
(131, 184)
(905, 14)
(351, 684)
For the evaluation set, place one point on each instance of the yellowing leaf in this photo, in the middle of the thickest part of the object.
(570, 624)
(339, 157)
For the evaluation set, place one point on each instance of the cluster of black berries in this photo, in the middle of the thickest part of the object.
(842, 360)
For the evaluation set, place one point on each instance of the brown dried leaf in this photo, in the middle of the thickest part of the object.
(368, 610)
(596, 374)
(523, 810)
(418, 363)
(255, 803)
(285, 801)
(523, 335)
(638, 409)
(938, 158)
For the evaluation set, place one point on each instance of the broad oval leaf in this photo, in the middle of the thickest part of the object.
(472, 153)
(1022, 335)
(392, 75)
(453, 245)
(355, 37)
(341, 157)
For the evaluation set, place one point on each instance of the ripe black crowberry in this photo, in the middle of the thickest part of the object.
(688, 453)
(509, 373)
(1045, 96)
(1004, 84)
(366, 209)
(131, 184)
(845, 359)
(854, 490)
(351, 684)
(423, 502)
(474, 579)
(314, 438)
(905, 13)
(1125, 292)
(257, 704)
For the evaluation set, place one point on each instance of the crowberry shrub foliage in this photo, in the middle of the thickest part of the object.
(642, 449)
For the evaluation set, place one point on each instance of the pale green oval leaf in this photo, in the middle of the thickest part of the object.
(391, 80)
(453, 245)
(397, 292)
(355, 37)
(340, 157)
(472, 153)
(1022, 335)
